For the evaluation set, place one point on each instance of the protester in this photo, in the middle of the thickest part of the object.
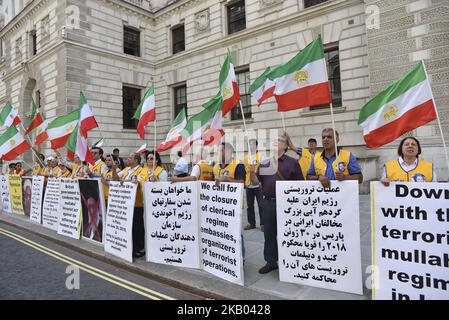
(99, 167)
(38, 166)
(279, 168)
(253, 190)
(131, 173)
(12, 169)
(120, 162)
(181, 169)
(63, 171)
(19, 170)
(306, 155)
(326, 166)
(408, 167)
(159, 172)
(78, 169)
(112, 163)
(202, 171)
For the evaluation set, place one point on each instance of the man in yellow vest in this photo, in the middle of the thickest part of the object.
(99, 167)
(131, 173)
(112, 163)
(306, 155)
(202, 171)
(253, 190)
(327, 166)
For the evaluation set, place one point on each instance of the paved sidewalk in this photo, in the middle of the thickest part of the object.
(257, 286)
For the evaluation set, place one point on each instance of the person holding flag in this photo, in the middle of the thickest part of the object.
(306, 155)
(99, 168)
(64, 172)
(112, 163)
(159, 173)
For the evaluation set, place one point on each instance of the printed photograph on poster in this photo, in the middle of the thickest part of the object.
(93, 210)
(6, 202)
(27, 187)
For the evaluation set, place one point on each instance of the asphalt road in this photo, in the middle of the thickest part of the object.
(34, 268)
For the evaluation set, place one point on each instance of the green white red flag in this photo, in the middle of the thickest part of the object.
(303, 81)
(9, 116)
(174, 136)
(77, 145)
(87, 119)
(405, 105)
(228, 85)
(60, 129)
(146, 112)
(36, 118)
(12, 144)
(262, 88)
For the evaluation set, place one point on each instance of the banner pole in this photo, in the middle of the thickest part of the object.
(438, 118)
(283, 122)
(335, 132)
(29, 140)
(246, 132)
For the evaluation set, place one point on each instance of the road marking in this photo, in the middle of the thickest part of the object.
(151, 294)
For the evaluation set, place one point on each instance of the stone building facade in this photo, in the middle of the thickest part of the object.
(53, 49)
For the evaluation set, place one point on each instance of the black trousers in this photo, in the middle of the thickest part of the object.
(138, 230)
(270, 249)
(251, 194)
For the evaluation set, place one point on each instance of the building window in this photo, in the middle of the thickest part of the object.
(311, 3)
(33, 42)
(244, 82)
(333, 69)
(180, 100)
(131, 41)
(178, 38)
(131, 100)
(236, 17)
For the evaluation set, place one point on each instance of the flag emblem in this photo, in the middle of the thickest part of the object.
(391, 113)
(302, 77)
(12, 142)
(227, 93)
(70, 128)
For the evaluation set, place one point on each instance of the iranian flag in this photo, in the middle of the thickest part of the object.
(303, 81)
(142, 149)
(229, 88)
(60, 129)
(146, 112)
(12, 144)
(406, 105)
(36, 118)
(262, 88)
(77, 144)
(206, 125)
(9, 116)
(41, 132)
(174, 135)
(87, 119)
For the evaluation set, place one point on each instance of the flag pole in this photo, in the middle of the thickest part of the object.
(283, 122)
(335, 132)
(438, 119)
(29, 140)
(246, 132)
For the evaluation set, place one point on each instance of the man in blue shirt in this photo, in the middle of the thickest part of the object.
(327, 167)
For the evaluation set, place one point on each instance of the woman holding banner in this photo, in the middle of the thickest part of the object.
(408, 167)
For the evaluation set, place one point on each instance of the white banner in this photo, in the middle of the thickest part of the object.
(410, 225)
(319, 234)
(70, 209)
(6, 202)
(119, 220)
(221, 230)
(37, 194)
(50, 208)
(172, 223)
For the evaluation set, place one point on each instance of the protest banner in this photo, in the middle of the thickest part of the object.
(119, 220)
(69, 223)
(37, 195)
(27, 191)
(6, 202)
(319, 234)
(50, 208)
(93, 209)
(221, 230)
(15, 193)
(410, 239)
(172, 223)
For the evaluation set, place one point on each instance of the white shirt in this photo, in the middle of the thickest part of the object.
(196, 171)
(407, 168)
(182, 166)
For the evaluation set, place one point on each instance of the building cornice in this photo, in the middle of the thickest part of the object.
(20, 19)
(227, 41)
